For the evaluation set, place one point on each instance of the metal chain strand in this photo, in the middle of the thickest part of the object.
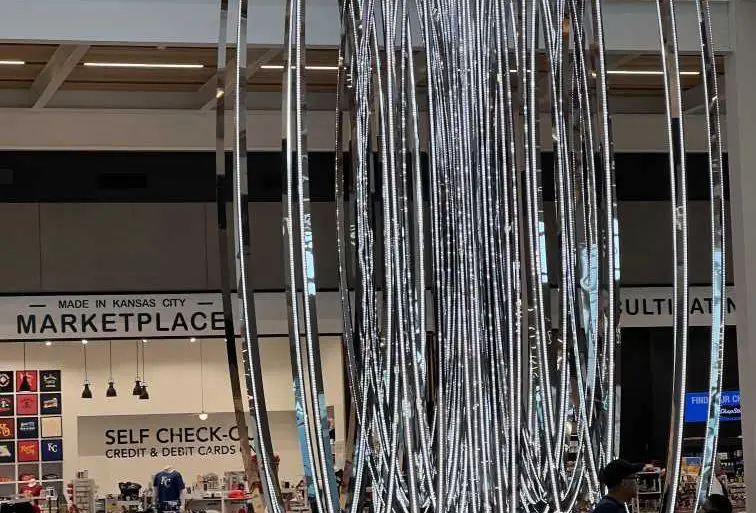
(470, 390)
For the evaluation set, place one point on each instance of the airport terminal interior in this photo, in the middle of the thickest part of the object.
(386, 256)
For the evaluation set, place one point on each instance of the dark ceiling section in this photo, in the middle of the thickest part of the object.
(190, 176)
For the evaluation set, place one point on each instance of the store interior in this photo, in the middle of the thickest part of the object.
(185, 420)
(128, 438)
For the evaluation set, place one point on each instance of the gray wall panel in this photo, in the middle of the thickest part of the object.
(118, 246)
(268, 245)
(20, 254)
(173, 246)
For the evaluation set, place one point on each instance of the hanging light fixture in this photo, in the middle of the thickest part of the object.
(138, 381)
(25, 386)
(203, 414)
(143, 394)
(87, 392)
(111, 391)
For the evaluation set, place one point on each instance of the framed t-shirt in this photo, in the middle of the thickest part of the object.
(27, 404)
(6, 382)
(7, 408)
(51, 427)
(28, 428)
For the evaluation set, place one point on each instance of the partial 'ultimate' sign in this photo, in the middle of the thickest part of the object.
(655, 306)
(119, 437)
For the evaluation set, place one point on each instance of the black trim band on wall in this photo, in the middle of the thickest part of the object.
(167, 176)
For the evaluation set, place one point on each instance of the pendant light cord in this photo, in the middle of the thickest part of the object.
(24, 359)
(202, 376)
(110, 358)
(137, 361)
(86, 375)
(144, 374)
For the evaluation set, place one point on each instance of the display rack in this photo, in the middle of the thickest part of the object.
(83, 494)
(730, 457)
(31, 430)
(648, 497)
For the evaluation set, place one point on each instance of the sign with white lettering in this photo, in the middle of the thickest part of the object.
(697, 406)
(158, 436)
(201, 314)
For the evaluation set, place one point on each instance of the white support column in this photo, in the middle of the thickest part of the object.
(741, 131)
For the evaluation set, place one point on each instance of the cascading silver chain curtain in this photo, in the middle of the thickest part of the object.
(465, 385)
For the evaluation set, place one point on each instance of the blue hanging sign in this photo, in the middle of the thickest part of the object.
(697, 405)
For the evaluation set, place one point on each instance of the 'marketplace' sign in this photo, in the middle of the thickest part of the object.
(144, 316)
(201, 314)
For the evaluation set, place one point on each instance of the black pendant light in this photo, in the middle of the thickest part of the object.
(143, 394)
(111, 391)
(87, 392)
(138, 381)
(24, 386)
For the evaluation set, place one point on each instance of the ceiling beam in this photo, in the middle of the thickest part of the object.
(694, 99)
(56, 71)
(618, 61)
(206, 94)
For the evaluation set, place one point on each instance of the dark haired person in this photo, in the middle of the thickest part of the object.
(619, 476)
(716, 503)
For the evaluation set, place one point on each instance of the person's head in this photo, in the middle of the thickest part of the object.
(619, 476)
(717, 504)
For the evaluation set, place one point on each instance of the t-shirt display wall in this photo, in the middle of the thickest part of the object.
(124, 438)
(31, 429)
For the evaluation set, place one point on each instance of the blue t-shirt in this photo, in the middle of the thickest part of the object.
(609, 505)
(169, 486)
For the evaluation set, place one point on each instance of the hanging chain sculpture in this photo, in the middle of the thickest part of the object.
(469, 392)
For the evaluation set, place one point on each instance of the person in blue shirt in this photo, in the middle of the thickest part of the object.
(619, 476)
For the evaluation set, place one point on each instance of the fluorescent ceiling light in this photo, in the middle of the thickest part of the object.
(11, 63)
(639, 72)
(308, 68)
(143, 65)
(643, 72)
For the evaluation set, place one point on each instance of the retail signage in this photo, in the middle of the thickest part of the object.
(697, 406)
(201, 314)
(142, 316)
(654, 306)
(119, 437)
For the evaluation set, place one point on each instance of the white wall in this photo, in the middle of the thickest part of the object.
(172, 372)
(121, 130)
